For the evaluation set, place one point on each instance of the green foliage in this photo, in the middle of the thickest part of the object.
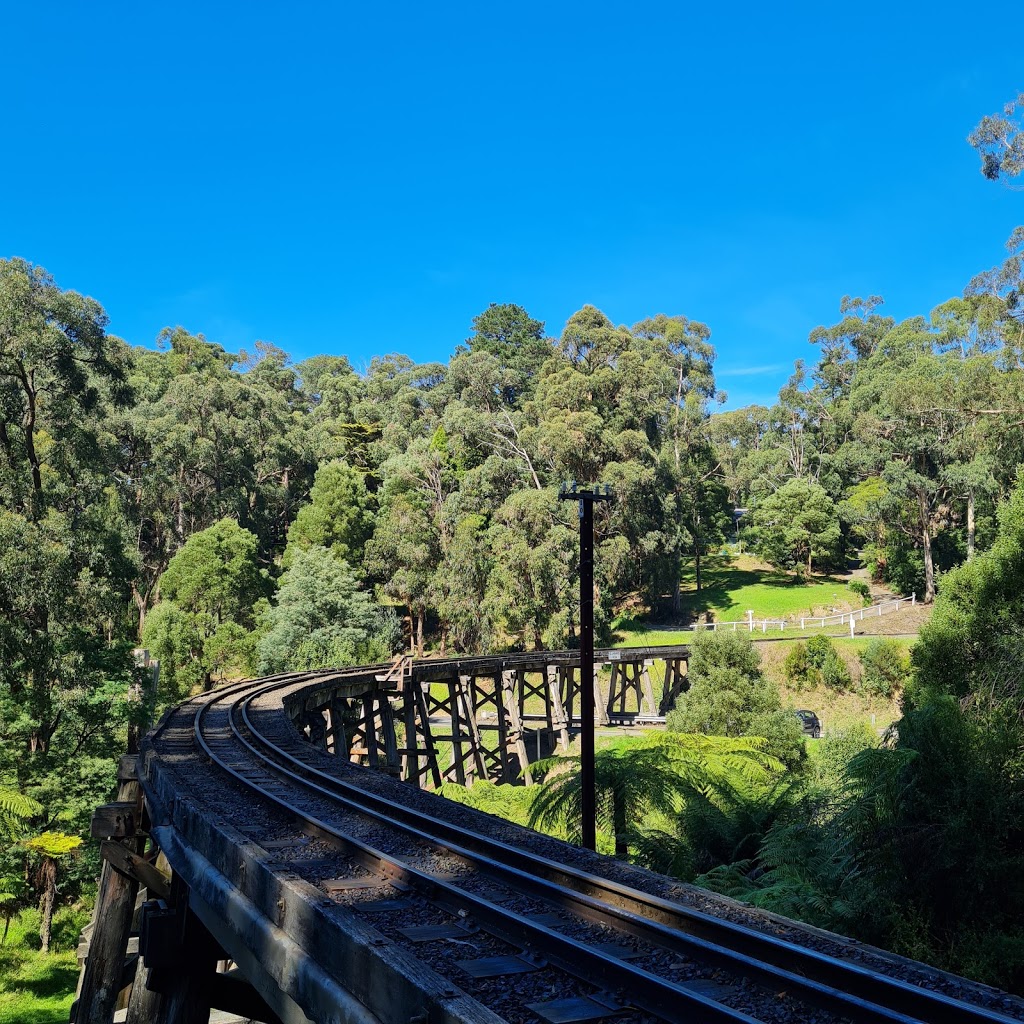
(53, 844)
(655, 775)
(729, 697)
(832, 757)
(796, 526)
(801, 674)
(969, 648)
(322, 619)
(885, 667)
(862, 590)
(36, 988)
(1000, 142)
(200, 630)
(15, 809)
(534, 552)
(826, 661)
(339, 515)
(513, 803)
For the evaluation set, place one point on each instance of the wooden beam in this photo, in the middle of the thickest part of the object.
(133, 866)
(128, 768)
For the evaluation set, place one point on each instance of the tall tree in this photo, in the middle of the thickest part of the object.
(322, 619)
(209, 592)
(796, 525)
(507, 332)
(339, 515)
(63, 566)
(999, 140)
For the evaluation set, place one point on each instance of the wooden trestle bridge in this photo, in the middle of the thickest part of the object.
(274, 856)
(432, 721)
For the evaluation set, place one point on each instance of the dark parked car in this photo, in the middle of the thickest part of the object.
(811, 724)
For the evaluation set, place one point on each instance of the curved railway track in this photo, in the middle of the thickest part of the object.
(615, 950)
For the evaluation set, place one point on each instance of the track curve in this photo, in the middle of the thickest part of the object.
(362, 848)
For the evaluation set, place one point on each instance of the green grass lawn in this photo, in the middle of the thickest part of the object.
(35, 988)
(732, 585)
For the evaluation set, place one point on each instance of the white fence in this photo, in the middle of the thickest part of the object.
(751, 625)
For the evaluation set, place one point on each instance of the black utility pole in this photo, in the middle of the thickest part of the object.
(586, 498)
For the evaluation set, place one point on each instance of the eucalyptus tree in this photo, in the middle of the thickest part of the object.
(999, 140)
(399, 401)
(339, 515)
(64, 568)
(743, 445)
(331, 391)
(696, 506)
(533, 549)
(204, 442)
(843, 344)
(412, 528)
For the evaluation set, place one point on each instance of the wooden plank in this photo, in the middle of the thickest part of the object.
(118, 820)
(135, 867)
(128, 768)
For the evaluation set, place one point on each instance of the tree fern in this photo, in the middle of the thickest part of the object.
(653, 774)
(15, 809)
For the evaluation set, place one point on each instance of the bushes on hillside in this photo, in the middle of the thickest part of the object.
(816, 662)
(885, 667)
(729, 697)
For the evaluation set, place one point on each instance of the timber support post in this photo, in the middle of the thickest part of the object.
(101, 981)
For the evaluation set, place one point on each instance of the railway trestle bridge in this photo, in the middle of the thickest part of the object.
(274, 855)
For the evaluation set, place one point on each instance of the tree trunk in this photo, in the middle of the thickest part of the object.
(7, 925)
(696, 566)
(926, 544)
(420, 615)
(970, 524)
(49, 895)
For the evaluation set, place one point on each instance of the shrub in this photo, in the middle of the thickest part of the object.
(834, 753)
(885, 667)
(862, 590)
(729, 697)
(800, 673)
(823, 656)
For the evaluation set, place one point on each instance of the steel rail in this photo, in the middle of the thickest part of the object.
(850, 989)
(669, 1001)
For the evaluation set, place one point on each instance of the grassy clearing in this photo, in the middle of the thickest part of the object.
(732, 585)
(35, 988)
(735, 584)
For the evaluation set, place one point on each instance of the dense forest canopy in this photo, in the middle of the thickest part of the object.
(238, 513)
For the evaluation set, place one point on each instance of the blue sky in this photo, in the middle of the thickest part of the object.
(365, 179)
